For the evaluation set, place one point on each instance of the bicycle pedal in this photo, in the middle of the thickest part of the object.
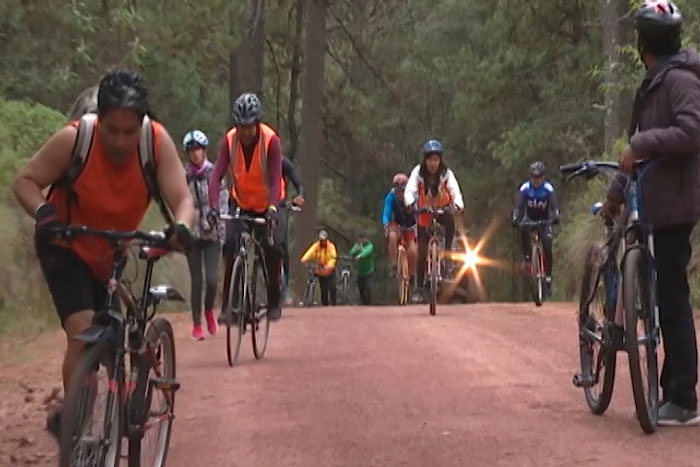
(583, 381)
(165, 384)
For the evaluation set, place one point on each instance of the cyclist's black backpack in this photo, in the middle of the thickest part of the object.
(86, 132)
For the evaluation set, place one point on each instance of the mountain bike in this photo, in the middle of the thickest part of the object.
(345, 262)
(605, 327)
(403, 271)
(104, 403)
(311, 283)
(536, 269)
(247, 290)
(433, 275)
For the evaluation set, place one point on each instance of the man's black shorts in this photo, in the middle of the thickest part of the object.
(72, 285)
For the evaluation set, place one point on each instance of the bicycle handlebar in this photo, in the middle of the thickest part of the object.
(587, 168)
(153, 238)
(534, 223)
(244, 218)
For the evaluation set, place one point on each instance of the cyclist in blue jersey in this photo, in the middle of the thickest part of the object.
(397, 221)
(537, 202)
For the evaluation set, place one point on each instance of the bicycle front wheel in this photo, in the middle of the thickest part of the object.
(403, 276)
(309, 295)
(91, 418)
(157, 394)
(235, 311)
(596, 316)
(640, 337)
(537, 275)
(258, 306)
(433, 269)
(345, 289)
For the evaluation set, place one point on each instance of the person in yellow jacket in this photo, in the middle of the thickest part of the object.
(325, 254)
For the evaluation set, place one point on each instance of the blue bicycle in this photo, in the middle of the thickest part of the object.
(606, 324)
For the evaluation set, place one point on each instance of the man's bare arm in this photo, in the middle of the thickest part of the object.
(44, 168)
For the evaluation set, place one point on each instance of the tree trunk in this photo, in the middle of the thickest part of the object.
(294, 73)
(312, 127)
(247, 58)
(611, 47)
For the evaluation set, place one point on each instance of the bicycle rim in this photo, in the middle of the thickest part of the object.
(258, 305)
(433, 277)
(91, 418)
(235, 326)
(160, 403)
(597, 360)
(536, 278)
(309, 295)
(639, 340)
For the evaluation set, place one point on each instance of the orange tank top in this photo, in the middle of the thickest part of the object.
(107, 196)
(250, 185)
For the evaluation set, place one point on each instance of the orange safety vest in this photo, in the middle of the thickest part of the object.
(441, 200)
(108, 196)
(250, 185)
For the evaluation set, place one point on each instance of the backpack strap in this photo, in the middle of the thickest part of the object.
(149, 167)
(81, 149)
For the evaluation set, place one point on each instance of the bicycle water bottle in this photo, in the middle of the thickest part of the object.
(634, 202)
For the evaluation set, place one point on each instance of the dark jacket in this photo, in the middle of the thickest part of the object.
(666, 130)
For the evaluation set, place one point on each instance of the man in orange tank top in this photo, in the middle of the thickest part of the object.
(109, 193)
(251, 154)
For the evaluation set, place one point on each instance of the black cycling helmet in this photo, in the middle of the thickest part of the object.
(537, 169)
(247, 109)
(433, 146)
(658, 24)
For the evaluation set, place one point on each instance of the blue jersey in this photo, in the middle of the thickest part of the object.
(395, 210)
(536, 204)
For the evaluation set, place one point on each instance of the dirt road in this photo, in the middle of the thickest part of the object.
(479, 385)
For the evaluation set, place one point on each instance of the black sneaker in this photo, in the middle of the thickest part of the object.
(53, 423)
(274, 314)
(671, 414)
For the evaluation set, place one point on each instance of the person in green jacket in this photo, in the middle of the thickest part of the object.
(363, 252)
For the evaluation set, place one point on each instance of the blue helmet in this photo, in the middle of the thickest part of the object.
(433, 146)
(195, 139)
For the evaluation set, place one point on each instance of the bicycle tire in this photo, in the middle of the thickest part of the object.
(403, 275)
(636, 285)
(94, 357)
(433, 269)
(536, 280)
(345, 289)
(160, 335)
(603, 361)
(260, 324)
(309, 294)
(234, 330)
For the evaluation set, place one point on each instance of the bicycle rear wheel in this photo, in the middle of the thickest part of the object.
(235, 310)
(91, 418)
(598, 357)
(536, 275)
(640, 337)
(157, 394)
(403, 275)
(258, 306)
(433, 270)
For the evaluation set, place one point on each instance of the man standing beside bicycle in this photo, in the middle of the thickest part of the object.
(110, 192)
(325, 254)
(251, 152)
(432, 184)
(665, 130)
(537, 202)
(363, 253)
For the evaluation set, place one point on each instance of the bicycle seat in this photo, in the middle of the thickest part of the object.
(596, 208)
(152, 253)
(165, 292)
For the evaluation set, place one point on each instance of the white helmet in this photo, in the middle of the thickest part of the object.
(194, 139)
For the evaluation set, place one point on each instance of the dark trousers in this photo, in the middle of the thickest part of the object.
(546, 235)
(447, 220)
(679, 375)
(328, 289)
(207, 252)
(364, 285)
(234, 229)
(281, 242)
